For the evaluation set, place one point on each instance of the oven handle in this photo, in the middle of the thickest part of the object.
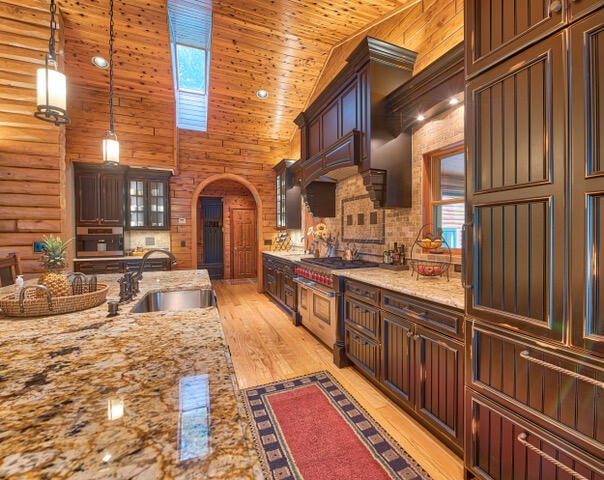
(314, 287)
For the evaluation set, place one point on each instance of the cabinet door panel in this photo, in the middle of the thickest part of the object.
(362, 351)
(315, 140)
(587, 155)
(501, 445)
(495, 29)
(112, 199)
(349, 109)
(543, 384)
(516, 190)
(329, 125)
(87, 194)
(440, 381)
(398, 364)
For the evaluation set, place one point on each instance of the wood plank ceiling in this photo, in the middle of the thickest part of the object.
(281, 46)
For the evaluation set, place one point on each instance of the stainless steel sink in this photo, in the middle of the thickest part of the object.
(175, 300)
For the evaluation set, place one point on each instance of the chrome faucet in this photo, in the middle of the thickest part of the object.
(129, 282)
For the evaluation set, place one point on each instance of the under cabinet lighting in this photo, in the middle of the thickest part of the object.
(421, 118)
(454, 101)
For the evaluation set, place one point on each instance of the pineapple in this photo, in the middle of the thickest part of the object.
(53, 261)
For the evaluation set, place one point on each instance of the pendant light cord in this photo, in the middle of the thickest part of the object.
(53, 27)
(111, 66)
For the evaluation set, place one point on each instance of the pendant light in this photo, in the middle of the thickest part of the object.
(111, 147)
(51, 84)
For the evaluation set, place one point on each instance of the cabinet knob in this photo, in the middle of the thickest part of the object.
(555, 6)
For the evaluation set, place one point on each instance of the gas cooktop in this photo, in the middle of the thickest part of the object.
(338, 263)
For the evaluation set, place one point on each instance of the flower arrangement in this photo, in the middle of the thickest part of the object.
(320, 234)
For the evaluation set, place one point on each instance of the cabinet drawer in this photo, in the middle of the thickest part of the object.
(366, 293)
(552, 387)
(502, 445)
(362, 351)
(442, 319)
(364, 317)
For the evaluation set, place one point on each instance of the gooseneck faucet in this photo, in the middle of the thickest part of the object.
(129, 282)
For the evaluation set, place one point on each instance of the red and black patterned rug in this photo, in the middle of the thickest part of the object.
(311, 428)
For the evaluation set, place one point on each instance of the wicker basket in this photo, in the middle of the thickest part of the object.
(33, 306)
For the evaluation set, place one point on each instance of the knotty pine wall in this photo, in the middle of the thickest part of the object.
(34, 189)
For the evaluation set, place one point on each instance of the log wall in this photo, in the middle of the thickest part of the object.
(33, 186)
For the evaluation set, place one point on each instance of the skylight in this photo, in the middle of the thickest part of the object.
(190, 35)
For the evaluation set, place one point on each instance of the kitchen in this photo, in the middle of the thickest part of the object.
(43, 157)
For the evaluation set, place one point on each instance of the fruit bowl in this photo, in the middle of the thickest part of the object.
(429, 268)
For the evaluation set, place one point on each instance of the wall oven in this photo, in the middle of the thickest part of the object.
(99, 242)
(319, 294)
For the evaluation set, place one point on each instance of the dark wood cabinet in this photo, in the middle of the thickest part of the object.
(278, 277)
(288, 199)
(391, 338)
(99, 195)
(489, 41)
(535, 183)
(148, 205)
(122, 265)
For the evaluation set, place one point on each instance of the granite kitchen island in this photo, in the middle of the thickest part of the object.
(84, 395)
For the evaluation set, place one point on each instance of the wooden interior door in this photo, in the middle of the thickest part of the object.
(243, 242)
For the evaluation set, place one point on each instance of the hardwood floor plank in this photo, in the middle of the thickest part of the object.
(265, 347)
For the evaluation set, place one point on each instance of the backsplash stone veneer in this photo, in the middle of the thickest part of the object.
(397, 224)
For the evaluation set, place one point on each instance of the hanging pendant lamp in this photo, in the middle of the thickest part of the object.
(111, 146)
(51, 84)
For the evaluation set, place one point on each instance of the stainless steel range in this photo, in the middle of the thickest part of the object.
(319, 297)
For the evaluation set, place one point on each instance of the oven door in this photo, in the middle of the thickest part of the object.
(318, 310)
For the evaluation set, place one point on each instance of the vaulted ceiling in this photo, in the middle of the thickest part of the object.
(282, 46)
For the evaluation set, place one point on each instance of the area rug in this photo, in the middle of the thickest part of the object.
(310, 428)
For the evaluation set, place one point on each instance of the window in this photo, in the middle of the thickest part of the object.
(443, 192)
(191, 68)
(190, 35)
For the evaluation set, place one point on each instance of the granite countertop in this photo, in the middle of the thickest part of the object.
(435, 289)
(123, 257)
(83, 395)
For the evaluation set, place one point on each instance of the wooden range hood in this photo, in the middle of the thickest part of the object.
(351, 125)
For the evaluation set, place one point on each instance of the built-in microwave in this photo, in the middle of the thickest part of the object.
(99, 242)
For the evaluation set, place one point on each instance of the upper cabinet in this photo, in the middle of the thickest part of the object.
(99, 195)
(518, 26)
(148, 205)
(350, 125)
(288, 196)
(137, 198)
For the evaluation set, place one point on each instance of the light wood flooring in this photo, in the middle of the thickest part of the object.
(265, 346)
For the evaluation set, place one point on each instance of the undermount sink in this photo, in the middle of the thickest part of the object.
(175, 300)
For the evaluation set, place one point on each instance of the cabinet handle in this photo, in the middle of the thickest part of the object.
(555, 6)
(465, 229)
(526, 355)
(522, 440)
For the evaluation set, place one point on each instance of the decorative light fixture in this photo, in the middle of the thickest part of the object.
(52, 86)
(111, 147)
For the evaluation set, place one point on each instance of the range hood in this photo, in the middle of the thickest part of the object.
(350, 129)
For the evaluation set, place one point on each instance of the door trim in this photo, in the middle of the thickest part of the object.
(259, 215)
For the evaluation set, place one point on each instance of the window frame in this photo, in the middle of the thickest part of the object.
(430, 184)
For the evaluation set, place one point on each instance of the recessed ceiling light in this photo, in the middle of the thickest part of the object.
(262, 94)
(100, 62)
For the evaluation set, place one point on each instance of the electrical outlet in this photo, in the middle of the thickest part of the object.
(183, 243)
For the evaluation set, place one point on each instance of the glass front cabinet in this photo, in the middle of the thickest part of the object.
(148, 199)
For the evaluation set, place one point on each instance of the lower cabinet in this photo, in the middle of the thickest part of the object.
(396, 341)
(533, 410)
(278, 280)
(121, 265)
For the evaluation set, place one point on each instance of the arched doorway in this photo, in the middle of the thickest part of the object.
(195, 227)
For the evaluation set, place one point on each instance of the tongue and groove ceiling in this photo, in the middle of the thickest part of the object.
(282, 46)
